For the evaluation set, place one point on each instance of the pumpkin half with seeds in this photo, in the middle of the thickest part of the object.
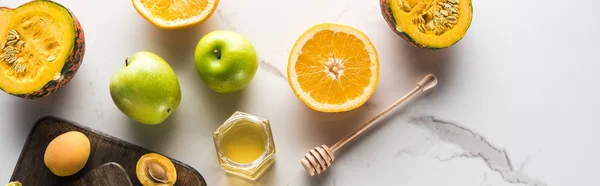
(432, 24)
(41, 48)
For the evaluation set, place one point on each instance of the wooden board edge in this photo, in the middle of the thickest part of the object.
(27, 141)
(99, 133)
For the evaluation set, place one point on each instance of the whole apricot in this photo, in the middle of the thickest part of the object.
(67, 154)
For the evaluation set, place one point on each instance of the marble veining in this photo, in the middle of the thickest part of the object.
(473, 146)
(271, 69)
(342, 13)
(534, 96)
(267, 66)
(225, 22)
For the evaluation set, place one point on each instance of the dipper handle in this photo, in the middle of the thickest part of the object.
(318, 159)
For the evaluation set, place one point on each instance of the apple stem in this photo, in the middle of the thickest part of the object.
(217, 53)
(126, 62)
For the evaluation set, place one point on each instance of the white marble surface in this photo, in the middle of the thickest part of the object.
(516, 102)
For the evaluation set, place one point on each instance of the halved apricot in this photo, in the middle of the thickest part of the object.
(154, 169)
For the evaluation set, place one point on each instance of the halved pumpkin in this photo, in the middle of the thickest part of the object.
(432, 24)
(41, 48)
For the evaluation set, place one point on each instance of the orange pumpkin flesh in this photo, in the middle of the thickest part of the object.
(47, 53)
(432, 24)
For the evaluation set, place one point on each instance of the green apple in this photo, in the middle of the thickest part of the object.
(146, 88)
(226, 61)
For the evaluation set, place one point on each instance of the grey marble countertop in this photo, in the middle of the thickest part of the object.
(516, 103)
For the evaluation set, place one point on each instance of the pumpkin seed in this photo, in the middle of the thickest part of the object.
(418, 20)
(452, 18)
(7, 56)
(26, 24)
(20, 68)
(445, 12)
(448, 6)
(8, 48)
(422, 28)
(3, 44)
(12, 42)
(406, 7)
(56, 76)
(441, 30)
(11, 37)
(453, 10)
(51, 58)
(430, 25)
(439, 22)
(13, 32)
(20, 45)
(12, 59)
(439, 18)
(11, 52)
(23, 67)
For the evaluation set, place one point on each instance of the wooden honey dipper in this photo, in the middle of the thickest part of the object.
(318, 159)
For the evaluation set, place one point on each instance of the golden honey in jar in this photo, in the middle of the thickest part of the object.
(244, 145)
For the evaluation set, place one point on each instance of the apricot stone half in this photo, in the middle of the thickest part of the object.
(155, 170)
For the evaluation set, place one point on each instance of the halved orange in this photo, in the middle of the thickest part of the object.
(333, 68)
(175, 14)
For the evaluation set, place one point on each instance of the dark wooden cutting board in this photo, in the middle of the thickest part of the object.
(107, 174)
(31, 170)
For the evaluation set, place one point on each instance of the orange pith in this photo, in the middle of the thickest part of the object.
(333, 68)
(170, 14)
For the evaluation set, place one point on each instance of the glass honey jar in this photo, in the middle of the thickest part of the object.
(244, 145)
